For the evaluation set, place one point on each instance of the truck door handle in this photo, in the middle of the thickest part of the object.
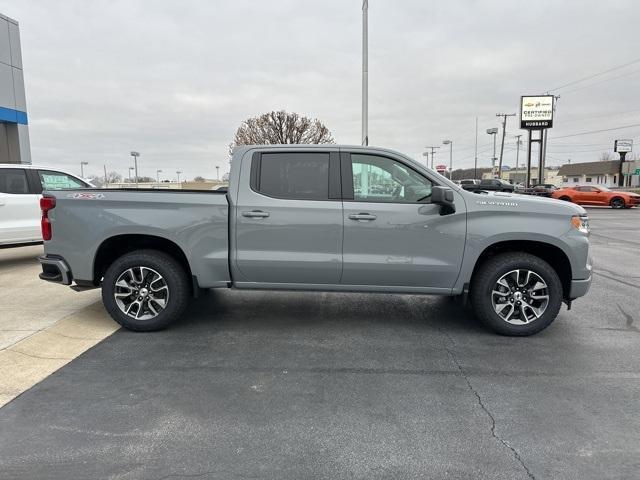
(362, 216)
(255, 214)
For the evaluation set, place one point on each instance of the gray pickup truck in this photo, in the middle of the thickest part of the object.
(321, 217)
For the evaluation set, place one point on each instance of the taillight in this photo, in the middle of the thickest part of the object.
(46, 203)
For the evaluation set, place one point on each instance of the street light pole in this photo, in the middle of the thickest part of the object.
(218, 172)
(504, 131)
(450, 143)
(135, 156)
(365, 73)
(475, 162)
(178, 172)
(158, 172)
(518, 143)
(494, 132)
(82, 164)
(130, 168)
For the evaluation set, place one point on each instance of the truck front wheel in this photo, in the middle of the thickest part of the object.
(145, 290)
(516, 294)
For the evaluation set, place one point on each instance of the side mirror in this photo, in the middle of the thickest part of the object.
(443, 196)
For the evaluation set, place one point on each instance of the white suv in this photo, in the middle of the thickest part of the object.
(20, 191)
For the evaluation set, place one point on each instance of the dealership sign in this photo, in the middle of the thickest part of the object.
(622, 146)
(536, 113)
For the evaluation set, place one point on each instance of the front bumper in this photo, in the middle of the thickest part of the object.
(579, 288)
(55, 269)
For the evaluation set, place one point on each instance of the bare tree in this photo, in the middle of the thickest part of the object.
(281, 128)
(96, 180)
(606, 156)
(114, 177)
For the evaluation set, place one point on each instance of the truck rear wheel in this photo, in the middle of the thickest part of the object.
(145, 290)
(516, 294)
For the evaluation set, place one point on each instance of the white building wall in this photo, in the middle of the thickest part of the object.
(604, 180)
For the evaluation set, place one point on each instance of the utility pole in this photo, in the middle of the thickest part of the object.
(450, 143)
(504, 131)
(517, 154)
(365, 73)
(475, 163)
(217, 172)
(106, 181)
(82, 164)
(433, 149)
(546, 133)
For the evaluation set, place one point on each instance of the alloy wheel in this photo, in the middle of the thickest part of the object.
(141, 293)
(520, 296)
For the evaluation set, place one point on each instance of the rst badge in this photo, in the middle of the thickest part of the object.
(86, 196)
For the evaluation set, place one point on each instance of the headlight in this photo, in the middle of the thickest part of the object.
(580, 223)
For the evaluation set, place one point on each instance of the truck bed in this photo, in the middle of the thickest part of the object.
(194, 220)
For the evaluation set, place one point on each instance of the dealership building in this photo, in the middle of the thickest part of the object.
(14, 130)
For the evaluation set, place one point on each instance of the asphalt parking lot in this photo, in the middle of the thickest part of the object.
(310, 385)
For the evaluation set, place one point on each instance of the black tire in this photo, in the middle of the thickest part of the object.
(565, 199)
(487, 277)
(617, 202)
(173, 275)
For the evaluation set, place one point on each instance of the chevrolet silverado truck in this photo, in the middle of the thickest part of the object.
(320, 218)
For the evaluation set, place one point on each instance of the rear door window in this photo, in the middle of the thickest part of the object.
(14, 181)
(52, 180)
(295, 175)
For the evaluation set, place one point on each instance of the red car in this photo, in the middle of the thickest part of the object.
(597, 195)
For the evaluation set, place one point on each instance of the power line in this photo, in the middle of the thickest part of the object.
(601, 81)
(598, 131)
(573, 118)
(595, 75)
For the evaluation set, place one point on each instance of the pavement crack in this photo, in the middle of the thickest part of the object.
(73, 337)
(37, 356)
(202, 474)
(634, 285)
(629, 318)
(484, 408)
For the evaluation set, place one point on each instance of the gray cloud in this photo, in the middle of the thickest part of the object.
(174, 79)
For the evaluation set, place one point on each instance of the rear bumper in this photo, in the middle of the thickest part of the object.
(55, 269)
(579, 288)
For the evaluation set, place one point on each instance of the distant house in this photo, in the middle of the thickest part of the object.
(592, 173)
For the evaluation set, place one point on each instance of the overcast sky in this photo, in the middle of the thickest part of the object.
(174, 80)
